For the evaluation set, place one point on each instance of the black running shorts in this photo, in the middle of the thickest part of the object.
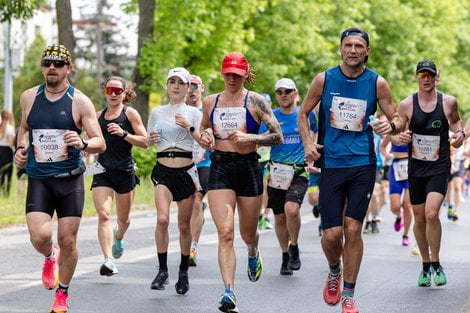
(177, 180)
(120, 181)
(421, 186)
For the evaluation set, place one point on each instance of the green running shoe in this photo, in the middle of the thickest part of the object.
(438, 276)
(118, 246)
(424, 279)
(255, 267)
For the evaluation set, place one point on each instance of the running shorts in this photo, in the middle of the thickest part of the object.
(295, 193)
(421, 186)
(177, 180)
(120, 181)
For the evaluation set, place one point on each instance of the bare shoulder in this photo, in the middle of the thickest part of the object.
(255, 100)
(448, 99)
(209, 100)
(81, 99)
(27, 97)
(407, 102)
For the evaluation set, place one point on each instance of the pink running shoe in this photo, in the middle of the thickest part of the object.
(60, 304)
(332, 289)
(50, 270)
(405, 241)
(349, 305)
(398, 224)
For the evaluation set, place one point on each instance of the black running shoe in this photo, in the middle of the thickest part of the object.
(182, 285)
(294, 258)
(285, 269)
(316, 211)
(160, 281)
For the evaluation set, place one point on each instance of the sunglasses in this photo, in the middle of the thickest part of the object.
(423, 75)
(116, 90)
(281, 92)
(57, 64)
(194, 87)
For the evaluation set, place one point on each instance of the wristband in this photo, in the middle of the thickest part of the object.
(124, 134)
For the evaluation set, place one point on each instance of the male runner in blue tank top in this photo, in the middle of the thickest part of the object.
(348, 95)
(430, 114)
(54, 114)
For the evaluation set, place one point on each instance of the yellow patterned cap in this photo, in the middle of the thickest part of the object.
(57, 53)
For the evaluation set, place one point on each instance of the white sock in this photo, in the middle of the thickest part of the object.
(193, 245)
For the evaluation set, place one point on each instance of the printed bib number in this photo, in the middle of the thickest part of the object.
(49, 145)
(195, 177)
(400, 170)
(227, 120)
(94, 169)
(281, 175)
(348, 114)
(425, 147)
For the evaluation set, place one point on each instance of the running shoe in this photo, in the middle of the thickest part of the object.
(255, 267)
(398, 224)
(50, 269)
(438, 276)
(160, 281)
(108, 268)
(267, 223)
(366, 228)
(294, 258)
(228, 302)
(424, 279)
(192, 258)
(261, 223)
(374, 227)
(349, 305)
(415, 251)
(118, 246)
(405, 241)
(182, 285)
(60, 304)
(332, 289)
(316, 211)
(320, 229)
(455, 216)
(285, 269)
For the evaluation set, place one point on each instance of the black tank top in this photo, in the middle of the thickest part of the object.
(433, 123)
(118, 151)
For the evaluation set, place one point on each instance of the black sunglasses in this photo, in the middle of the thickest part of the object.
(286, 91)
(57, 64)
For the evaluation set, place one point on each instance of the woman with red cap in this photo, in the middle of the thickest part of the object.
(230, 124)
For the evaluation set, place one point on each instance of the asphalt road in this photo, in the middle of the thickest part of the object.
(386, 284)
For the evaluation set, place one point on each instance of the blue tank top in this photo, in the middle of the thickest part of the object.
(399, 148)
(46, 114)
(346, 148)
(252, 127)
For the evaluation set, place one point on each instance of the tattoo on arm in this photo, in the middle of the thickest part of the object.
(265, 114)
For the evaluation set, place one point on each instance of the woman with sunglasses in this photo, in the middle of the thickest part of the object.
(236, 179)
(174, 128)
(122, 128)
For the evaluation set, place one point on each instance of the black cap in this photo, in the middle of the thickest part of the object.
(426, 65)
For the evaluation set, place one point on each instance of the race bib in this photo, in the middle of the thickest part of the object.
(348, 114)
(94, 169)
(49, 146)
(227, 120)
(195, 177)
(425, 147)
(400, 169)
(281, 175)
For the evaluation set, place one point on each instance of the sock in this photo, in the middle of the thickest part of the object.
(335, 269)
(64, 288)
(285, 258)
(348, 289)
(184, 263)
(162, 257)
(426, 266)
(193, 245)
(436, 265)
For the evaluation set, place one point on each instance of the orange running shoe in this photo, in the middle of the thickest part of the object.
(332, 290)
(192, 261)
(60, 304)
(349, 305)
(50, 270)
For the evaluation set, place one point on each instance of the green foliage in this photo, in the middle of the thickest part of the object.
(19, 9)
(145, 159)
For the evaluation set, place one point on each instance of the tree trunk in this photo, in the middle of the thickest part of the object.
(65, 30)
(146, 21)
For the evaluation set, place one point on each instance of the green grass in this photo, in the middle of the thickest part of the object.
(12, 207)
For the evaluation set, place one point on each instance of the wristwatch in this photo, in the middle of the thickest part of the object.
(124, 134)
(393, 126)
(85, 144)
(192, 129)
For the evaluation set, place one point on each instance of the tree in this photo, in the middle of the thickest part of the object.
(64, 26)
(19, 9)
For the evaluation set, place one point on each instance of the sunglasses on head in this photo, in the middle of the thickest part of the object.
(194, 87)
(57, 64)
(116, 90)
(423, 75)
(286, 91)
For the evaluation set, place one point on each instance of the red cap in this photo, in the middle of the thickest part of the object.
(196, 80)
(235, 62)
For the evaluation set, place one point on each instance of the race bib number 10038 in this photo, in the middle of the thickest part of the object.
(49, 145)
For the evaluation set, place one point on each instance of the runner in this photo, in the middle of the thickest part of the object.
(53, 114)
(235, 179)
(201, 157)
(115, 174)
(430, 115)
(456, 182)
(348, 95)
(288, 178)
(174, 128)
(398, 187)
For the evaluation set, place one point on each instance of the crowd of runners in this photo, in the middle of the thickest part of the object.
(230, 152)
